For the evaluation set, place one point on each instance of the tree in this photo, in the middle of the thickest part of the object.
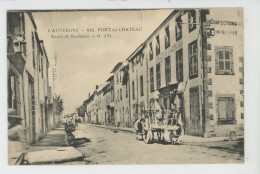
(58, 102)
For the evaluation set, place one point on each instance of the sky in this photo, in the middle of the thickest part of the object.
(84, 63)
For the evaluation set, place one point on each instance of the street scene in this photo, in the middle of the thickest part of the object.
(125, 87)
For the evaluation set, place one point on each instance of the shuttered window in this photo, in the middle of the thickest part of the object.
(151, 80)
(193, 60)
(194, 106)
(224, 60)
(158, 75)
(179, 65)
(141, 86)
(168, 70)
(226, 110)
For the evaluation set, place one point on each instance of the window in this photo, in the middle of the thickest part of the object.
(167, 70)
(158, 75)
(126, 90)
(33, 50)
(42, 66)
(193, 59)
(192, 20)
(112, 96)
(167, 37)
(121, 94)
(194, 106)
(141, 86)
(118, 95)
(178, 28)
(151, 80)
(224, 60)
(179, 65)
(226, 110)
(13, 93)
(151, 51)
(117, 77)
(142, 59)
(133, 87)
(157, 45)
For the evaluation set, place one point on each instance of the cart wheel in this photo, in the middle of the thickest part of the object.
(148, 137)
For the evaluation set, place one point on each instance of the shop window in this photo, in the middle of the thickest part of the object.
(158, 75)
(167, 37)
(157, 45)
(192, 20)
(168, 70)
(224, 60)
(179, 65)
(178, 29)
(193, 60)
(151, 51)
(226, 110)
(151, 80)
(141, 86)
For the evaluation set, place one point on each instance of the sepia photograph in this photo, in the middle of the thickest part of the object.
(125, 87)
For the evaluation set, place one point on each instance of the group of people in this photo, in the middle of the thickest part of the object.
(170, 118)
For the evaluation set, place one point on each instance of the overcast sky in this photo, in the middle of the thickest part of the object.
(83, 63)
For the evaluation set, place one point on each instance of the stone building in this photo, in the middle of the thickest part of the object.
(194, 62)
(28, 80)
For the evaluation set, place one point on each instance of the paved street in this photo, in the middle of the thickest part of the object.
(107, 146)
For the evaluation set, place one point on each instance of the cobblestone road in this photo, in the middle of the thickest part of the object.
(112, 147)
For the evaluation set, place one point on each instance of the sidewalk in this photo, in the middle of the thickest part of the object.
(54, 139)
(53, 148)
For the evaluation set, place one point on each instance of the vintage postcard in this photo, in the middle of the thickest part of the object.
(154, 86)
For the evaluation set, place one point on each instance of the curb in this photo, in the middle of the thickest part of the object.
(113, 128)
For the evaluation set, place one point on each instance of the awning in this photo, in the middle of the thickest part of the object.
(18, 60)
(168, 88)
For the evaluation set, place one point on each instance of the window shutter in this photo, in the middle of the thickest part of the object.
(217, 61)
(231, 62)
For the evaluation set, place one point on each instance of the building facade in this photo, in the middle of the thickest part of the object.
(194, 62)
(29, 102)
